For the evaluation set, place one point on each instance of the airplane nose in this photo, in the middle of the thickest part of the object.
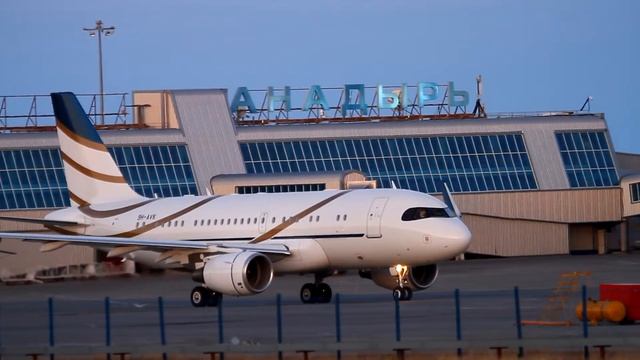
(453, 235)
(462, 236)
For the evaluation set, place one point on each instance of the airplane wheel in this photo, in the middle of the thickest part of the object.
(407, 294)
(397, 293)
(323, 293)
(402, 293)
(200, 296)
(308, 293)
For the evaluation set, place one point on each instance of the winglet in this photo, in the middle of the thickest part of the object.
(448, 199)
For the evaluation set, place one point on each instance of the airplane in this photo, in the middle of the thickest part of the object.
(234, 244)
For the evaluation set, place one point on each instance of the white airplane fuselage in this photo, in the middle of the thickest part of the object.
(351, 229)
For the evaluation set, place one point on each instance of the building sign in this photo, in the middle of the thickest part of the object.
(352, 99)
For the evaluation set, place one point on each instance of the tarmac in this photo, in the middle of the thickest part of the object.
(487, 310)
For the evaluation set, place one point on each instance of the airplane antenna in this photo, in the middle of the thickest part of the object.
(587, 104)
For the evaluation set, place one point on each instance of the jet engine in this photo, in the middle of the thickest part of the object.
(238, 274)
(417, 278)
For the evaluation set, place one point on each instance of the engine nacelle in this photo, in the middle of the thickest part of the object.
(238, 274)
(418, 278)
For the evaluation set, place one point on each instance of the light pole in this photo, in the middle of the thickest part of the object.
(99, 29)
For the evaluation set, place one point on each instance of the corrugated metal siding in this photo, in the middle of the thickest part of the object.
(501, 237)
(565, 206)
(28, 257)
(206, 123)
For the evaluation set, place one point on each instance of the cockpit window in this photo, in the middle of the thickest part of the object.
(423, 213)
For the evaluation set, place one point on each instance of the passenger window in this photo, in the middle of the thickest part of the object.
(209, 222)
(273, 220)
(242, 221)
(202, 222)
(182, 223)
(344, 217)
(424, 213)
(338, 217)
(255, 220)
(195, 222)
(311, 218)
(175, 223)
(317, 218)
(168, 224)
(284, 219)
(137, 225)
(228, 221)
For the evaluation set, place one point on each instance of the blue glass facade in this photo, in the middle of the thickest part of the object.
(587, 159)
(467, 163)
(34, 178)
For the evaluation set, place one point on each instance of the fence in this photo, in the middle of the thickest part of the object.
(433, 320)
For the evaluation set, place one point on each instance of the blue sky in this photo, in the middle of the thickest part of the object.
(534, 55)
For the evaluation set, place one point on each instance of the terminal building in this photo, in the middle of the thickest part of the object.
(527, 184)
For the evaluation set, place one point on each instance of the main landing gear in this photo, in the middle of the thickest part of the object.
(402, 292)
(318, 292)
(201, 297)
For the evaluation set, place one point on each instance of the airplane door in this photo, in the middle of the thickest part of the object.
(263, 222)
(374, 217)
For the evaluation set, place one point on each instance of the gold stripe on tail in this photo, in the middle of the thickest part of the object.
(90, 173)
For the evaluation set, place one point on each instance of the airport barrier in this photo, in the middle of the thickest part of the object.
(454, 322)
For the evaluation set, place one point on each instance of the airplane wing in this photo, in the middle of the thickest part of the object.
(39, 221)
(56, 241)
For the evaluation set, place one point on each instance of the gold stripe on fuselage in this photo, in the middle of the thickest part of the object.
(295, 218)
(101, 214)
(145, 228)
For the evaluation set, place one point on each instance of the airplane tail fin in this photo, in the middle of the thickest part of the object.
(92, 175)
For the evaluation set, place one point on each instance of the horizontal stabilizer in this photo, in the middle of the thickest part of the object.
(40, 221)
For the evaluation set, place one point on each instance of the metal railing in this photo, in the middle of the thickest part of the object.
(14, 115)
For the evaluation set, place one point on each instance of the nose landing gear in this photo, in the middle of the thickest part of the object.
(402, 292)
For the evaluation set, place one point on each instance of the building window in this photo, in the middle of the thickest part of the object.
(587, 159)
(635, 192)
(497, 162)
(34, 178)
